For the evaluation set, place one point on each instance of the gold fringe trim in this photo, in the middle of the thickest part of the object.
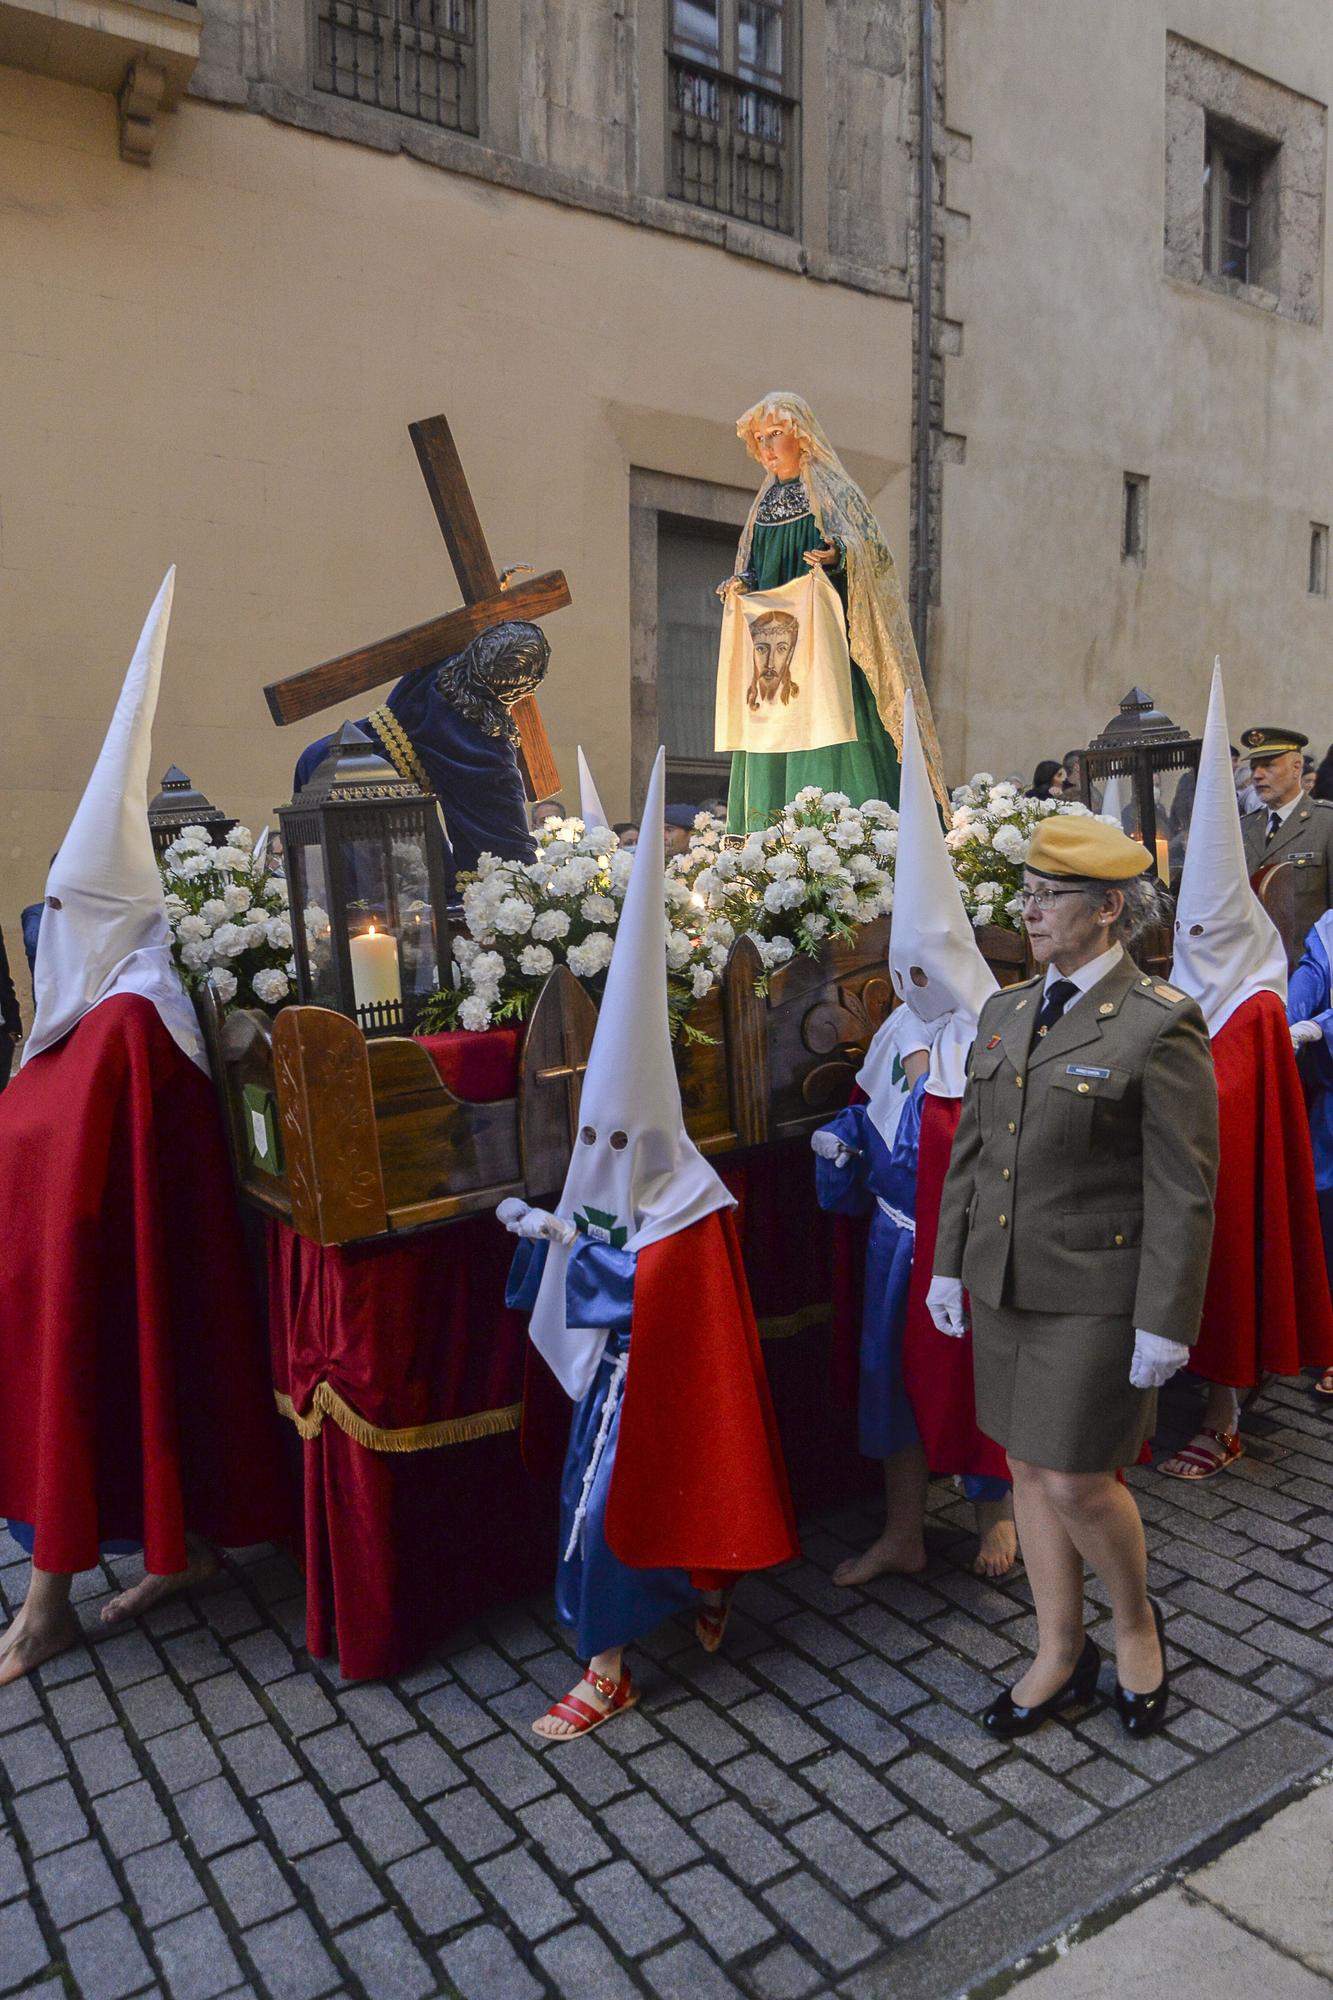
(326, 1402)
(790, 1323)
(399, 746)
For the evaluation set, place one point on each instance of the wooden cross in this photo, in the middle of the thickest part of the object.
(486, 602)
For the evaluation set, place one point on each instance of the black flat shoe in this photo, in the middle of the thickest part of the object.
(1007, 1718)
(1144, 1714)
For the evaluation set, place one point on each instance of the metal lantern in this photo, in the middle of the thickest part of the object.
(179, 805)
(1147, 766)
(363, 850)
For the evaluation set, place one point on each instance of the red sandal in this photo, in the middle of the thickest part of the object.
(711, 1623)
(1205, 1462)
(570, 1708)
(1324, 1386)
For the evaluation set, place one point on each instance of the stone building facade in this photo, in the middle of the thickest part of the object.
(1138, 466)
(245, 243)
(587, 235)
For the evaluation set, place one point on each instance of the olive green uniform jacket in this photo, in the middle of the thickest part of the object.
(1082, 1173)
(1305, 839)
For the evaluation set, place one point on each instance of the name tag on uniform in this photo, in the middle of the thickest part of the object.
(1084, 1069)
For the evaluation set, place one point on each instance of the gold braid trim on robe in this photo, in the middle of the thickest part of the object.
(879, 631)
(397, 746)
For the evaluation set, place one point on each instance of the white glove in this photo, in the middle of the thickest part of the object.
(534, 1223)
(1305, 1031)
(944, 1303)
(827, 1145)
(1155, 1360)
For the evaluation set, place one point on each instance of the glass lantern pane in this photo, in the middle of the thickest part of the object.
(418, 942)
(372, 918)
(313, 911)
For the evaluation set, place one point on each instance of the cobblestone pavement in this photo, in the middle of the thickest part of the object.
(195, 1807)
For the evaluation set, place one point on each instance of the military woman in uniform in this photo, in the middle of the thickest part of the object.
(1078, 1212)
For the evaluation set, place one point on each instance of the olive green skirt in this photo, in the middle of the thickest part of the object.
(1054, 1388)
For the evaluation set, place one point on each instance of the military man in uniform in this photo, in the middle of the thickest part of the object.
(1289, 825)
(1078, 1211)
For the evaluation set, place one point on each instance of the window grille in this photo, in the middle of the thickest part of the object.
(1318, 578)
(417, 57)
(733, 126)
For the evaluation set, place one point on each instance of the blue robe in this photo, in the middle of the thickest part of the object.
(606, 1603)
(880, 1181)
(1310, 998)
(475, 777)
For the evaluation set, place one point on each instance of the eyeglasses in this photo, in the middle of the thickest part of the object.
(1042, 899)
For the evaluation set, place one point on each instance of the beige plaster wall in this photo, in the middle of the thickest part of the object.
(1081, 361)
(213, 363)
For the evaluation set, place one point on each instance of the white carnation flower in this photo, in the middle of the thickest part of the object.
(536, 960)
(823, 859)
(316, 918)
(811, 795)
(548, 925)
(836, 801)
(241, 836)
(214, 911)
(885, 841)
(1008, 841)
(465, 950)
(489, 864)
(863, 868)
(237, 898)
(817, 926)
(701, 981)
(513, 917)
(270, 986)
(782, 865)
(275, 889)
(599, 840)
(486, 967)
(228, 941)
(788, 895)
(984, 914)
(474, 1014)
(194, 957)
(599, 910)
(224, 985)
(192, 930)
(720, 931)
(590, 957)
(231, 860)
(679, 948)
(677, 893)
(775, 951)
(278, 933)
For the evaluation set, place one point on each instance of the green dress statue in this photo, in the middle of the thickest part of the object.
(763, 783)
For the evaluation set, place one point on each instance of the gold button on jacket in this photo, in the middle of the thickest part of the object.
(1112, 1155)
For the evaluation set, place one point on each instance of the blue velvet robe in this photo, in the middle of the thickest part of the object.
(1310, 998)
(606, 1603)
(876, 1179)
(475, 777)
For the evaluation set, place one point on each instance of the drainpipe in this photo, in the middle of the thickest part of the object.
(924, 330)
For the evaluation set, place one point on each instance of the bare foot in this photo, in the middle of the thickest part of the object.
(203, 1565)
(555, 1726)
(997, 1548)
(1204, 1456)
(609, 1670)
(891, 1555)
(29, 1642)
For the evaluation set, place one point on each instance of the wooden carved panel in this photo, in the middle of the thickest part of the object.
(555, 1056)
(327, 1117)
(435, 1150)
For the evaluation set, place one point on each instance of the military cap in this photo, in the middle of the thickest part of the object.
(1268, 742)
(1078, 844)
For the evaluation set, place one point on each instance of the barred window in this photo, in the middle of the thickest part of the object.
(418, 57)
(733, 113)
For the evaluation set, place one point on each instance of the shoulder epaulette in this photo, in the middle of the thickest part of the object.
(1158, 990)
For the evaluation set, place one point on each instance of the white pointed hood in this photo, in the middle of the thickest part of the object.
(591, 810)
(635, 1175)
(881, 1075)
(104, 922)
(931, 935)
(1226, 944)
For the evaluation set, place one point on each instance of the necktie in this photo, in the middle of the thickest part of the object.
(1274, 822)
(1058, 996)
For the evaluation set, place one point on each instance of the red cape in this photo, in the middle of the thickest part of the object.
(700, 1482)
(1266, 1310)
(937, 1368)
(135, 1399)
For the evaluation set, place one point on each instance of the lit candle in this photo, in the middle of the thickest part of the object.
(375, 979)
(1163, 865)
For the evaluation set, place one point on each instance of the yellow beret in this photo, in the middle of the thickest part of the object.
(1078, 844)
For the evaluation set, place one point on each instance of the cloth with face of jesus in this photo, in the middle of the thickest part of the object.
(764, 779)
(784, 681)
